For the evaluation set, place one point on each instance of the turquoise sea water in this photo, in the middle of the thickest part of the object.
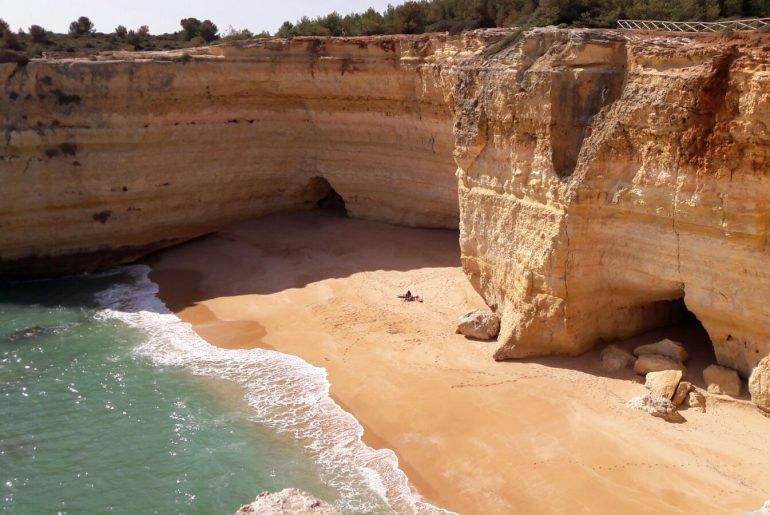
(109, 404)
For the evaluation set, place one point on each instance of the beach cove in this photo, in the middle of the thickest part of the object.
(472, 435)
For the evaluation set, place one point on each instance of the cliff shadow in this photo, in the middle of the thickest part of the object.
(291, 250)
(688, 331)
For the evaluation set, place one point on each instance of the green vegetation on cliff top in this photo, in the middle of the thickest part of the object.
(410, 17)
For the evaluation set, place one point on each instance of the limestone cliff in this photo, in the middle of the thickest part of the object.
(104, 160)
(607, 175)
(603, 176)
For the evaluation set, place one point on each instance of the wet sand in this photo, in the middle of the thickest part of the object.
(474, 436)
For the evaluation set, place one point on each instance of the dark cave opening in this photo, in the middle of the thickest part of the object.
(326, 198)
(678, 323)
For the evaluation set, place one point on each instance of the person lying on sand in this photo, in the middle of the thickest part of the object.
(408, 297)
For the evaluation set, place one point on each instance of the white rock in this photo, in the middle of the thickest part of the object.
(722, 380)
(615, 358)
(290, 501)
(482, 325)
(669, 348)
(656, 405)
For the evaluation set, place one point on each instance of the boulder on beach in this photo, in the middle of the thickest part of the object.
(290, 501)
(664, 382)
(647, 363)
(722, 380)
(615, 358)
(656, 405)
(681, 393)
(668, 348)
(481, 325)
(759, 385)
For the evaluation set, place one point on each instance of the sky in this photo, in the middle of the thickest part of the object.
(163, 16)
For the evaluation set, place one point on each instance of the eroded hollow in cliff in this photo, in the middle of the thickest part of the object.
(323, 196)
(675, 321)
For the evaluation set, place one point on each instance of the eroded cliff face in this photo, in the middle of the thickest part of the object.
(105, 160)
(603, 176)
(617, 174)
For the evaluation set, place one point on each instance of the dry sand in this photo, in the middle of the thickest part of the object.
(474, 436)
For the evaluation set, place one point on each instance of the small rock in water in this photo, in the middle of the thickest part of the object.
(647, 363)
(764, 510)
(482, 325)
(696, 400)
(668, 348)
(615, 358)
(664, 382)
(28, 332)
(722, 380)
(759, 385)
(657, 406)
(681, 393)
(290, 501)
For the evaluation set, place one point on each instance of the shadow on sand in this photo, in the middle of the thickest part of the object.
(280, 252)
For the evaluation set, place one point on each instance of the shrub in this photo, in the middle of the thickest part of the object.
(504, 43)
(208, 31)
(11, 42)
(11, 56)
(121, 31)
(132, 38)
(38, 34)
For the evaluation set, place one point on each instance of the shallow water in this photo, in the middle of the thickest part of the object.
(110, 404)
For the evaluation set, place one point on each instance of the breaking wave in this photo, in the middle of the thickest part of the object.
(285, 392)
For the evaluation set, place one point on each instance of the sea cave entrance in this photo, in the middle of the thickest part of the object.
(324, 197)
(676, 322)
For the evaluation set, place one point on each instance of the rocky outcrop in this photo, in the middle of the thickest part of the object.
(290, 501)
(479, 325)
(606, 179)
(759, 385)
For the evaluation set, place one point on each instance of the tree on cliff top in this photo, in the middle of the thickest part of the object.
(192, 27)
(454, 16)
(83, 26)
(38, 34)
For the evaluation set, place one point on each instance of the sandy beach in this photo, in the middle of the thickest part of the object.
(475, 436)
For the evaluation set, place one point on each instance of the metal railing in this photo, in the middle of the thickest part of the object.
(695, 26)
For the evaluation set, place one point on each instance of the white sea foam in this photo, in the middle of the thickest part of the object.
(286, 393)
